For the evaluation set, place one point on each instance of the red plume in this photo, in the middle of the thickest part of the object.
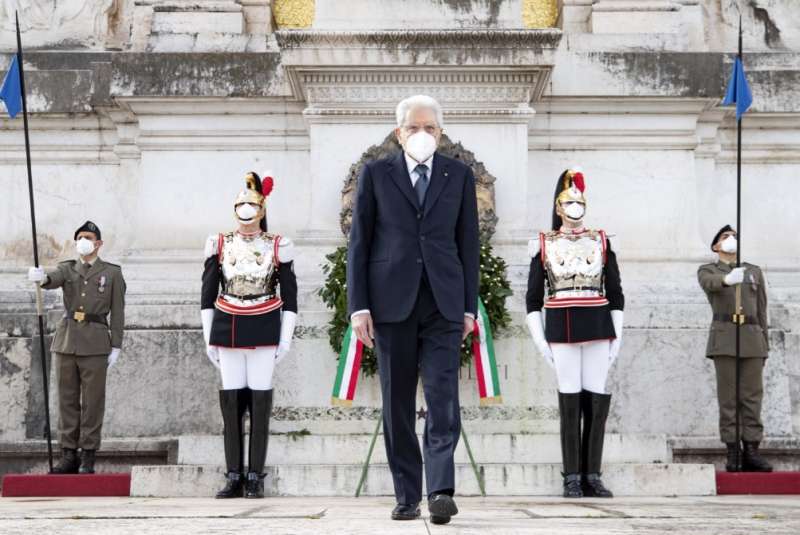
(577, 180)
(266, 185)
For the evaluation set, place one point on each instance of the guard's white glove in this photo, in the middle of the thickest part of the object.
(113, 356)
(616, 344)
(536, 327)
(36, 274)
(736, 276)
(288, 320)
(207, 318)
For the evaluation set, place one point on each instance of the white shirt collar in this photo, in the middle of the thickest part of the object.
(411, 164)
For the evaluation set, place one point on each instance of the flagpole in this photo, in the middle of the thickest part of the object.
(739, 310)
(39, 305)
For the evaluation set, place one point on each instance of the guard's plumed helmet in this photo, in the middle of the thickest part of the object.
(256, 192)
(569, 188)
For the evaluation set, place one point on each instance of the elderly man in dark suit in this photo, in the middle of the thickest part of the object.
(412, 287)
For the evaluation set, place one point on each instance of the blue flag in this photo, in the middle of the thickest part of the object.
(11, 92)
(738, 91)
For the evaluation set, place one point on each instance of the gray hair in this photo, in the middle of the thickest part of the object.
(418, 101)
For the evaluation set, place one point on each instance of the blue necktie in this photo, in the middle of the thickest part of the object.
(421, 187)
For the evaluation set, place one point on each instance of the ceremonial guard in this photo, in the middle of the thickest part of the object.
(248, 328)
(85, 346)
(721, 281)
(574, 277)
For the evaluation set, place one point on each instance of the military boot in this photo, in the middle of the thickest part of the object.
(260, 412)
(753, 461)
(87, 462)
(69, 463)
(569, 411)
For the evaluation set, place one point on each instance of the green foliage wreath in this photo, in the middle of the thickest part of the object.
(494, 289)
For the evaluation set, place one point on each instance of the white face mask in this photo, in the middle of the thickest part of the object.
(84, 247)
(421, 146)
(246, 213)
(574, 211)
(728, 245)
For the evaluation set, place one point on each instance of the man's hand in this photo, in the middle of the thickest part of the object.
(213, 355)
(364, 329)
(282, 351)
(613, 350)
(736, 276)
(469, 326)
(113, 356)
(36, 274)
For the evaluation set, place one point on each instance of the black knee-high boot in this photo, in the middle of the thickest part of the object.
(233, 404)
(260, 411)
(569, 408)
(595, 412)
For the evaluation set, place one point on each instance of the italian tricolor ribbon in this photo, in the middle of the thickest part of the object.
(484, 357)
(344, 388)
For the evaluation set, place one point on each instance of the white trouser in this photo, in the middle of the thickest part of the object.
(582, 366)
(247, 368)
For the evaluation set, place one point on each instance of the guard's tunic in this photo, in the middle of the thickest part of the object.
(580, 273)
(241, 280)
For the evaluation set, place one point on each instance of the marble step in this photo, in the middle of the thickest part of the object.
(500, 479)
(486, 448)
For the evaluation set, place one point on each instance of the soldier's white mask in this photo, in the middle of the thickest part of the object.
(421, 146)
(246, 213)
(574, 211)
(729, 245)
(84, 246)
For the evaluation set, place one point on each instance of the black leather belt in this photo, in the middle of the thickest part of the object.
(728, 318)
(250, 297)
(579, 289)
(82, 317)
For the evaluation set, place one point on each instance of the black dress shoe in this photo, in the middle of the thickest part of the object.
(405, 511)
(441, 507)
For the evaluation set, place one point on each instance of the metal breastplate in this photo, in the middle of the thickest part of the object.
(248, 268)
(574, 264)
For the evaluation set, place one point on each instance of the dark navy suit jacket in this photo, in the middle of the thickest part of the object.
(393, 239)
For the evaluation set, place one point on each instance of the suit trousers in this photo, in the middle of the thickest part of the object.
(81, 399)
(751, 393)
(428, 345)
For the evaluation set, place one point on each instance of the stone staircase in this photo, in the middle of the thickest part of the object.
(510, 464)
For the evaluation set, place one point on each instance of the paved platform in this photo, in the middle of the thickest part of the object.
(729, 515)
